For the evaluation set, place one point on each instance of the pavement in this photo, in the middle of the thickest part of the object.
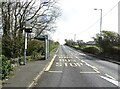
(25, 76)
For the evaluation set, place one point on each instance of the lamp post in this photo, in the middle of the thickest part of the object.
(100, 38)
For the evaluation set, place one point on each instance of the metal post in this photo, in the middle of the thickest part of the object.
(46, 48)
(25, 48)
(100, 22)
(100, 38)
(100, 28)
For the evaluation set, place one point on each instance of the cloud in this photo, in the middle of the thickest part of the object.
(78, 16)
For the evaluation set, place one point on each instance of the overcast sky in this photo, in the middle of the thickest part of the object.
(79, 17)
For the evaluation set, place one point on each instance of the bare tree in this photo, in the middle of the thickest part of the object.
(40, 15)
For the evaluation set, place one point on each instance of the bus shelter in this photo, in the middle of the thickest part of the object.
(46, 44)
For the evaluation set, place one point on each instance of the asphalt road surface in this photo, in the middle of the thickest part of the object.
(70, 68)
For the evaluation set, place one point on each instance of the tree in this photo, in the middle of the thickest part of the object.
(69, 42)
(80, 43)
(17, 15)
(109, 40)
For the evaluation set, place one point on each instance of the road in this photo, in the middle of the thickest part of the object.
(70, 68)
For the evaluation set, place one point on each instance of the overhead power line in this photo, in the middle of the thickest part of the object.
(99, 19)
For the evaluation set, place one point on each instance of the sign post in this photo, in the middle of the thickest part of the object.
(27, 30)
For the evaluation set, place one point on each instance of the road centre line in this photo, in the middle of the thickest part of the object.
(50, 64)
(110, 80)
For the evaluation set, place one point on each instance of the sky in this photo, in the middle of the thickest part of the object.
(79, 20)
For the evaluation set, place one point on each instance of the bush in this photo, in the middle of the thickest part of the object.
(91, 49)
(6, 67)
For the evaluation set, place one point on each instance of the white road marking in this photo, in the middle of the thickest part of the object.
(57, 63)
(55, 71)
(89, 72)
(65, 57)
(74, 60)
(50, 64)
(65, 60)
(110, 76)
(60, 57)
(78, 64)
(68, 60)
(81, 63)
(75, 65)
(91, 66)
(76, 57)
(71, 64)
(60, 64)
(82, 54)
(96, 70)
(66, 64)
(110, 80)
(94, 67)
(88, 65)
(60, 60)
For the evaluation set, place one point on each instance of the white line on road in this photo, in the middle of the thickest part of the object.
(96, 70)
(60, 60)
(75, 64)
(82, 61)
(110, 80)
(68, 60)
(50, 64)
(55, 71)
(89, 72)
(74, 60)
(71, 64)
(66, 64)
(76, 57)
(110, 76)
(78, 64)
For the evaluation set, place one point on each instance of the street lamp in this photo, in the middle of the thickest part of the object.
(100, 38)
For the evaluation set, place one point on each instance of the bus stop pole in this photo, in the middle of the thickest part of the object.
(25, 48)
(46, 49)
